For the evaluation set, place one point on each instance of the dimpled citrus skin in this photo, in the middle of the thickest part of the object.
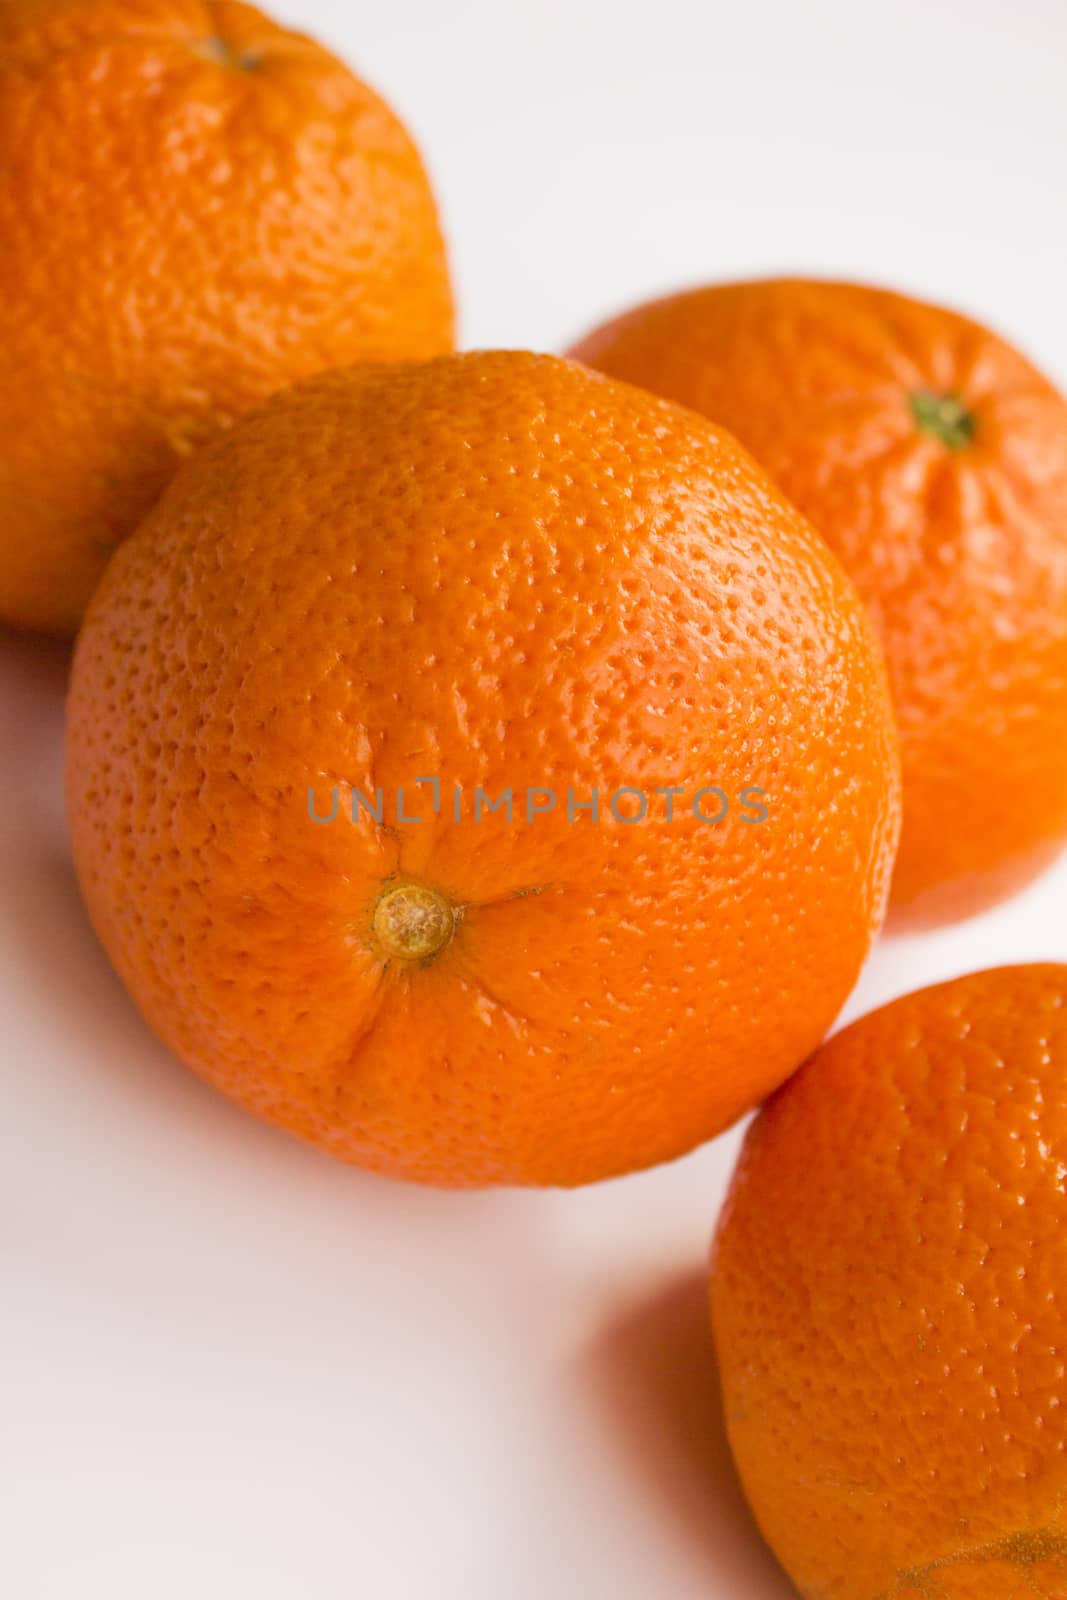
(958, 547)
(887, 1296)
(197, 208)
(498, 570)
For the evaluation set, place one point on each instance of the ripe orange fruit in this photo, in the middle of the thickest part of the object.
(196, 207)
(933, 458)
(886, 1296)
(495, 571)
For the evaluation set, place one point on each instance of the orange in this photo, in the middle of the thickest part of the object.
(933, 458)
(196, 207)
(886, 1294)
(506, 574)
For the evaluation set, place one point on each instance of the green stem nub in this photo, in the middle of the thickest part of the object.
(944, 417)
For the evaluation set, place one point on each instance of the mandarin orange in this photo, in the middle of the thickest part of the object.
(933, 458)
(611, 723)
(886, 1294)
(197, 207)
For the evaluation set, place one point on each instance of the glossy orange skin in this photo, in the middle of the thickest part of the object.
(196, 207)
(499, 570)
(961, 554)
(887, 1295)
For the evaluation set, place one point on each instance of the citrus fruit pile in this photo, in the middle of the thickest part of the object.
(483, 767)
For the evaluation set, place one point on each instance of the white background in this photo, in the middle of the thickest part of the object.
(231, 1369)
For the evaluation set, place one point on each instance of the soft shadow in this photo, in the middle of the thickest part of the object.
(35, 662)
(62, 967)
(61, 961)
(33, 684)
(654, 1369)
